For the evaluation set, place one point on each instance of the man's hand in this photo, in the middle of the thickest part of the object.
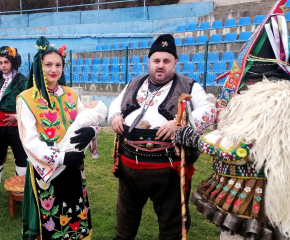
(10, 119)
(117, 124)
(167, 130)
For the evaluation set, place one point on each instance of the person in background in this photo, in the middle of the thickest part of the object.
(12, 83)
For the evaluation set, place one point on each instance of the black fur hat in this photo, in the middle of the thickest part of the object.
(12, 55)
(164, 43)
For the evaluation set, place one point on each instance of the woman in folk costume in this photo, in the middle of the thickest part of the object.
(12, 83)
(247, 196)
(55, 204)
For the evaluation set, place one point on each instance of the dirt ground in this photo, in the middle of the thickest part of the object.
(107, 129)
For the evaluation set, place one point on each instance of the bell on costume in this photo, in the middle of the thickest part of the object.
(195, 197)
(209, 210)
(199, 205)
(231, 224)
(266, 233)
(252, 229)
(278, 235)
(218, 218)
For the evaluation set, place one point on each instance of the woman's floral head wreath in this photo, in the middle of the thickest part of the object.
(12, 55)
(9, 51)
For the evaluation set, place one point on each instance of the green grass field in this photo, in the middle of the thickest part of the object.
(102, 190)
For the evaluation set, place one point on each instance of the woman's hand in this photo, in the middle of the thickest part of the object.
(85, 135)
(10, 119)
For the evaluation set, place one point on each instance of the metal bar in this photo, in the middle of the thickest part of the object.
(98, 4)
(20, 6)
(126, 62)
(205, 66)
(144, 9)
(81, 5)
(29, 63)
(70, 70)
(56, 3)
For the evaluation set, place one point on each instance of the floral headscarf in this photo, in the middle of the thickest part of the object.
(37, 78)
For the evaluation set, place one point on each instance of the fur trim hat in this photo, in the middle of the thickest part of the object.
(164, 43)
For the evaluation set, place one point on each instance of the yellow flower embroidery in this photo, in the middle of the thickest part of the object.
(83, 214)
(242, 152)
(64, 220)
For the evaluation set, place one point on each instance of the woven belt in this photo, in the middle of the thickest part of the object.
(139, 143)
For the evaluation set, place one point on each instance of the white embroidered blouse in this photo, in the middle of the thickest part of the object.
(46, 159)
(204, 112)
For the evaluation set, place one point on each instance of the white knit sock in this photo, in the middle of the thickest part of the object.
(20, 171)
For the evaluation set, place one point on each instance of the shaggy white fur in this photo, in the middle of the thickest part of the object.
(261, 116)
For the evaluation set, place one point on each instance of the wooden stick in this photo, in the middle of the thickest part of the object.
(181, 121)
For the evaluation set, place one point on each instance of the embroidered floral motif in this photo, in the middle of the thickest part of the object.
(233, 192)
(258, 198)
(222, 179)
(237, 203)
(238, 185)
(42, 184)
(229, 201)
(220, 196)
(256, 208)
(75, 226)
(77, 229)
(49, 225)
(213, 192)
(231, 182)
(259, 190)
(64, 220)
(40, 170)
(247, 189)
(242, 195)
(226, 188)
(50, 116)
(83, 214)
(218, 186)
(47, 203)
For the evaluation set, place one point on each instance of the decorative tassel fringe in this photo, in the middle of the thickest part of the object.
(261, 116)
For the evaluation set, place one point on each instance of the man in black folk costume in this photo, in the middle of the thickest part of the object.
(143, 116)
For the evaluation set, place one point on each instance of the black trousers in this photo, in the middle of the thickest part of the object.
(136, 186)
(9, 136)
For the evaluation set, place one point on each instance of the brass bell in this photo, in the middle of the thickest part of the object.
(278, 235)
(149, 146)
(195, 197)
(252, 229)
(199, 205)
(266, 233)
(231, 223)
(242, 231)
(209, 210)
(218, 218)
